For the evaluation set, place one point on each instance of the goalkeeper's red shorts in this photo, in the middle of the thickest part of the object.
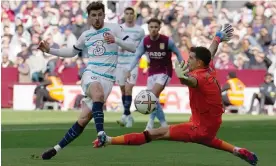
(189, 132)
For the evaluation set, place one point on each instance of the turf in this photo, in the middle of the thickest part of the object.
(27, 133)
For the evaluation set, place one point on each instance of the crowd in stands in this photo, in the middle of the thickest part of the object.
(25, 23)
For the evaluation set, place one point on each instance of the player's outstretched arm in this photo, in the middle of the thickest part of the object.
(138, 54)
(181, 71)
(63, 52)
(225, 34)
(175, 50)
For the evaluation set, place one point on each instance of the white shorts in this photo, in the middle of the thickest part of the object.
(87, 79)
(162, 79)
(121, 73)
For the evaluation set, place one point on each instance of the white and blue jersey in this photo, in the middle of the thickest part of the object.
(102, 56)
(135, 34)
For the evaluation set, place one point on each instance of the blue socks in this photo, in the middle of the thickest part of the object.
(98, 116)
(71, 135)
(127, 103)
(159, 113)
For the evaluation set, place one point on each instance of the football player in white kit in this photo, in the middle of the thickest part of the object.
(102, 41)
(136, 34)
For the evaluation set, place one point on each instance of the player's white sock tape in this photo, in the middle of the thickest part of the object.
(57, 148)
(236, 151)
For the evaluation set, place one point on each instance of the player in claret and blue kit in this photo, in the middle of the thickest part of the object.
(206, 105)
(159, 49)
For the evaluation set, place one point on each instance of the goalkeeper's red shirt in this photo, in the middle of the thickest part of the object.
(205, 99)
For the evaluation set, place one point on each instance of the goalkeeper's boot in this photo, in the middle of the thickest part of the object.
(122, 122)
(49, 154)
(101, 140)
(246, 155)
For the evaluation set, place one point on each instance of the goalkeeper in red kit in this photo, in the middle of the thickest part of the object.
(199, 75)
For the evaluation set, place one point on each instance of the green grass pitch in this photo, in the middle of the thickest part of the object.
(27, 133)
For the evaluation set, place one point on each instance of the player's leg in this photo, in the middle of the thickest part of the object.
(180, 132)
(96, 92)
(150, 84)
(137, 138)
(72, 133)
(106, 86)
(161, 81)
(128, 97)
(92, 86)
(120, 79)
(219, 144)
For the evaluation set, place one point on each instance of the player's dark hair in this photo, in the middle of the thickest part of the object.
(154, 20)
(129, 8)
(202, 53)
(95, 6)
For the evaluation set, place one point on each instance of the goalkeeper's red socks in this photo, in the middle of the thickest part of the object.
(220, 144)
(131, 139)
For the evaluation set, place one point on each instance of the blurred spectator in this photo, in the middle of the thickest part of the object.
(79, 26)
(20, 36)
(23, 69)
(69, 39)
(144, 64)
(25, 53)
(241, 61)
(25, 23)
(233, 91)
(266, 96)
(223, 61)
(260, 61)
(37, 64)
(265, 38)
(51, 89)
(5, 61)
(272, 57)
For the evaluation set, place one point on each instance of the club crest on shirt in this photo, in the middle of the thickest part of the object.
(162, 46)
(105, 34)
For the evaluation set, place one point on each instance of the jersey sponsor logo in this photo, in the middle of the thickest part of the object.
(156, 55)
(162, 46)
(98, 48)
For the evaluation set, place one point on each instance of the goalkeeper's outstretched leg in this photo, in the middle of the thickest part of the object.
(185, 132)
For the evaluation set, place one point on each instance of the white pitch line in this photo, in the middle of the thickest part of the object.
(47, 129)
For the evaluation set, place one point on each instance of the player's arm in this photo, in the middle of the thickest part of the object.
(120, 39)
(175, 50)
(189, 81)
(181, 71)
(222, 35)
(142, 35)
(138, 54)
(63, 52)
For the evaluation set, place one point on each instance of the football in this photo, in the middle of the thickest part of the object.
(145, 102)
